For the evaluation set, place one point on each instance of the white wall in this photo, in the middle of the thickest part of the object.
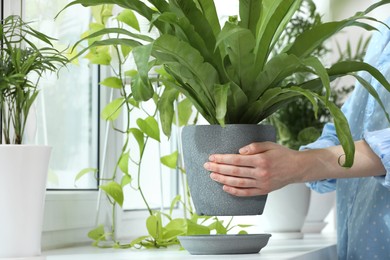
(340, 9)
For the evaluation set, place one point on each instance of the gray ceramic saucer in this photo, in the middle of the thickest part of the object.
(224, 244)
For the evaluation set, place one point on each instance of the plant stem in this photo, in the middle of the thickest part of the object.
(139, 178)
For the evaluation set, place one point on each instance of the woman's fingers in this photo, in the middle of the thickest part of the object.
(232, 159)
(229, 169)
(243, 192)
(242, 187)
(255, 148)
(234, 181)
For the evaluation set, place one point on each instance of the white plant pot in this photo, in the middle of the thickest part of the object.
(23, 173)
(320, 206)
(286, 210)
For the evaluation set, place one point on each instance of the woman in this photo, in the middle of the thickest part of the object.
(363, 191)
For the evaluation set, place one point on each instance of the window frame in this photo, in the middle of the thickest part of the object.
(70, 214)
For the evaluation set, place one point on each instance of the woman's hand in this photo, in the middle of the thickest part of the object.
(258, 169)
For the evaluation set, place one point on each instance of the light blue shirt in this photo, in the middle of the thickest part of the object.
(363, 204)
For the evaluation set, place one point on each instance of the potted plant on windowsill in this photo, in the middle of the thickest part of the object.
(23, 167)
(230, 73)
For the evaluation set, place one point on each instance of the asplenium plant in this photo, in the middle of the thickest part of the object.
(230, 72)
(22, 63)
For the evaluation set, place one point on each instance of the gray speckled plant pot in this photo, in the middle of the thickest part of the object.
(202, 140)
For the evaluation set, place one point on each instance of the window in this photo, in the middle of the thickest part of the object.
(66, 112)
(65, 117)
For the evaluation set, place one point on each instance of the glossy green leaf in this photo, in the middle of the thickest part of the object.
(219, 227)
(135, 5)
(142, 88)
(99, 51)
(274, 17)
(373, 93)
(174, 202)
(275, 71)
(239, 44)
(142, 91)
(170, 160)
(343, 133)
(126, 50)
(244, 225)
(197, 21)
(185, 111)
(170, 236)
(93, 27)
(150, 127)
(84, 172)
(221, 93)
(320, 70)
(309, 95)
(196, 229)
(154, 225)
(114, 190)
(97, 32)
(98, 55)
(131, 73)
(237, 103)
(257, 111)
(133, 102)
(183, 28)
(97, 234)
(139, 137)
(175, 227)
(112, 110)
(128, 17)
(346, 67)
(126, 179)
(124, 163)
(166, 108)
(210, 13)
(112, 82)
(102, 13)
(250, 14)
(196, 76)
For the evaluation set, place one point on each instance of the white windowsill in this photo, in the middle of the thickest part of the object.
(313, 246)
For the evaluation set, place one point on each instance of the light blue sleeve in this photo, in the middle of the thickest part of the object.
(379, 141)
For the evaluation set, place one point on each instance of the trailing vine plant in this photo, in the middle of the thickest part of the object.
(143, 130)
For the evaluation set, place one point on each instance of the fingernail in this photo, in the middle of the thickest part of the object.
(206, 166)
(211, 158)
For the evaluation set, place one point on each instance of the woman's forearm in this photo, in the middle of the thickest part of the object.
(325, 163)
